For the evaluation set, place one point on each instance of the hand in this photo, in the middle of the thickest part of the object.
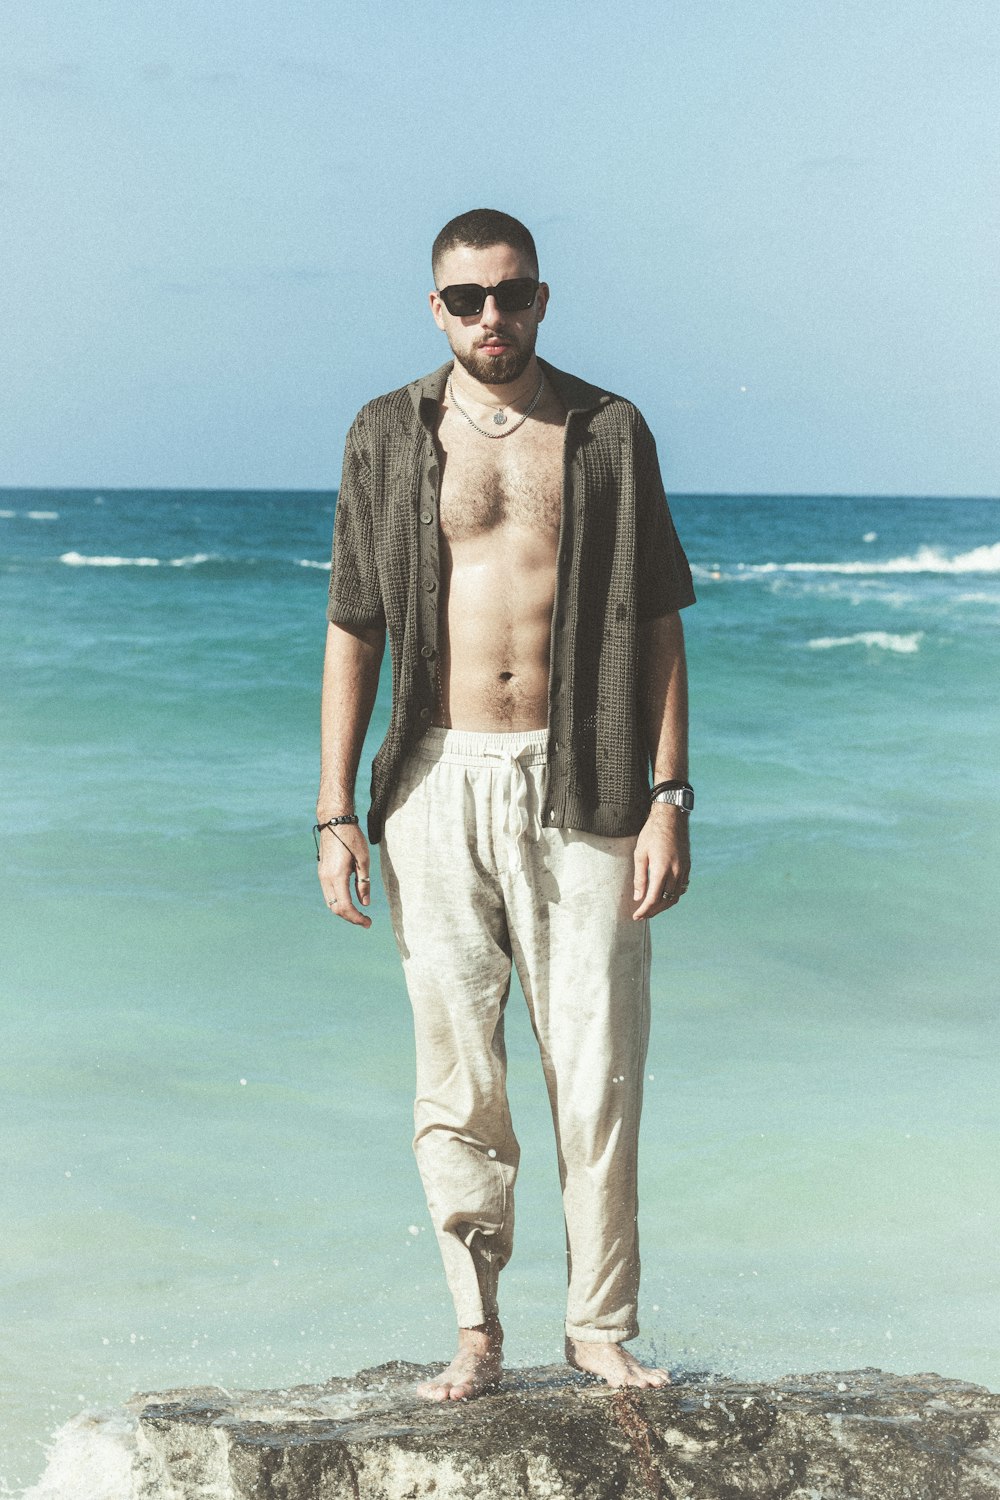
(339, 858)
(662, 861)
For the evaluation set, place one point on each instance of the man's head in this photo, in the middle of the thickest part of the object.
(479, 229)
(486, 248)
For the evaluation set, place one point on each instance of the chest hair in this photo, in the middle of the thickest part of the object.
(483, 491)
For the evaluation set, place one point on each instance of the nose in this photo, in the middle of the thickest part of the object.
(491, 316)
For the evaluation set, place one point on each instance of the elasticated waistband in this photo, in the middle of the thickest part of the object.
(468, 747)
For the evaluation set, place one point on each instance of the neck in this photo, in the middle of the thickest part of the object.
(515, 393)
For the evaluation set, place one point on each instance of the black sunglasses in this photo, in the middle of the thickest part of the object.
(467, 300)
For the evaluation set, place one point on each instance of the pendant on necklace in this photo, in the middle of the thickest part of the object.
(500, 419)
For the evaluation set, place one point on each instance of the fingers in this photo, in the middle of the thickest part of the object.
(342, 905)
(641, 873)
(664, 888)
(362, 879)
(652, 903)
(663, 904)
(652, 908)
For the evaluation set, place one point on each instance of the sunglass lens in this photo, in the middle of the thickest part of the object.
(516, 296)
(464, 301)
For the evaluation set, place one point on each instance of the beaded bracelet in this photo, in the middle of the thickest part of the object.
(333, 824)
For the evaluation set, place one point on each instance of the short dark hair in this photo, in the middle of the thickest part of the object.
(481, 228)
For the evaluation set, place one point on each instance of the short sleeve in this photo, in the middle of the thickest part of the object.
(663, 582)
(355, 595)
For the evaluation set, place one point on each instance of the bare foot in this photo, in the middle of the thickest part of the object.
(613, 1363)
(475, 1368)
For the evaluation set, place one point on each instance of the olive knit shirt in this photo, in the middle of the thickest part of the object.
(619, 564)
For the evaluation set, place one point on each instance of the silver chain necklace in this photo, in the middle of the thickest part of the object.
(499, 418)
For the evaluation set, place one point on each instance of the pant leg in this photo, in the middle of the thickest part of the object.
(449, 921)
(584, 967)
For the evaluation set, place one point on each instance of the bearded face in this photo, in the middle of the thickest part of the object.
(493, 347)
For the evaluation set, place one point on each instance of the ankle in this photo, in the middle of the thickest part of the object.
(489, 1334)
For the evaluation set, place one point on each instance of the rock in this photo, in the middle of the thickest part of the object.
(851, 1435)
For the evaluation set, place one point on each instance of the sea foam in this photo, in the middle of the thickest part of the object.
(904, 645)
(92, 1457)
(984, 559)
(80, 560)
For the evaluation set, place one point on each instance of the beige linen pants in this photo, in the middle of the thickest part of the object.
(475, 882)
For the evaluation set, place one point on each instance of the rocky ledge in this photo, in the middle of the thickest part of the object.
(851, 1435)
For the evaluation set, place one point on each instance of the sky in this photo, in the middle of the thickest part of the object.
(771, 223)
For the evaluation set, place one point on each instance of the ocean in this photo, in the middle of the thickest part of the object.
(207, 1078)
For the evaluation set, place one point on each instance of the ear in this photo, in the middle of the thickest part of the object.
(542, 299)
(437, 307)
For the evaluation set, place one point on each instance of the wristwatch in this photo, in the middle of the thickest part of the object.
(679, 793)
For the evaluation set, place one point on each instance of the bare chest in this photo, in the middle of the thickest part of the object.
(487, 484)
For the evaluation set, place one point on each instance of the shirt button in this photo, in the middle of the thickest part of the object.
(427, 517)
(427, 651)
(430, 585)
(425, 713)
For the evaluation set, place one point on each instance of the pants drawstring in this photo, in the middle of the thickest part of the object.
(518, 816)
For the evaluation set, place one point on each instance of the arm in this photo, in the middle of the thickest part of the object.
(350, 682)
(662, 852)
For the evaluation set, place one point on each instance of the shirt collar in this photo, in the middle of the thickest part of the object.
(575, 394)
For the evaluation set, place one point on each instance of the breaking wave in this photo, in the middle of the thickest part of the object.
(904, 645)
(80, 560)
(925, 560)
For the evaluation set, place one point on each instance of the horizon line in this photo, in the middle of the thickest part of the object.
(197, 489)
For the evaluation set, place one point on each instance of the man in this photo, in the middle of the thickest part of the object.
(506, 523)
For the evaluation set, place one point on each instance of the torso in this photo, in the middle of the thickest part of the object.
(501, 502)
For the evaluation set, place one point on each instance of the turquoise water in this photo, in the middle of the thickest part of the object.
(206, 1078)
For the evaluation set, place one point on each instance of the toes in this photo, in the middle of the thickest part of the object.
(430, 1392)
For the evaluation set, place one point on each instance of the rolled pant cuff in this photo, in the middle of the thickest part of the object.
(475, 1317)
(601, 1335)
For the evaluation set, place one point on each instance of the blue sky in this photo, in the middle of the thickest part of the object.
(772, 223)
